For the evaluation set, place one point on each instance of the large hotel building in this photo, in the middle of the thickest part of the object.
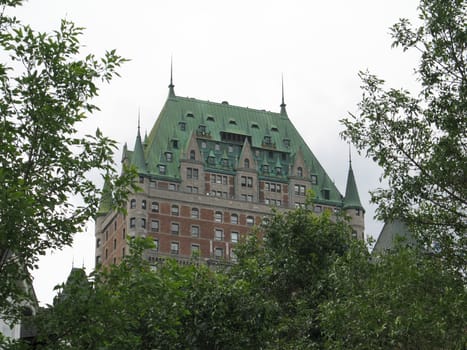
(209, 172)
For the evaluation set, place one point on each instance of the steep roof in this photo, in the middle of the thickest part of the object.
(220, 129)
(351, 199)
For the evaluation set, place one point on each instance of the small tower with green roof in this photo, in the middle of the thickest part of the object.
(352, 205)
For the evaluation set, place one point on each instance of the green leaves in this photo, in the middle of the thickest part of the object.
(420, 141)
(45, 91)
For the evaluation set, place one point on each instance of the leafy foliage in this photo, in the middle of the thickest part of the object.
(420, 142)
(404, 299)
(45, 91)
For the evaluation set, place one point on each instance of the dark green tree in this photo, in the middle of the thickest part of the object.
(404, 299)
(46, 88)
(420, 141)
(290, 269)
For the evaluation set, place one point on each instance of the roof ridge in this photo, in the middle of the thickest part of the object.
(227, 105)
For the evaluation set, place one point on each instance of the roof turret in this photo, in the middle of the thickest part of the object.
(351, 199)
(137, 158)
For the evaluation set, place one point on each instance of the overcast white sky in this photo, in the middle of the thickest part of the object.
(234, 51)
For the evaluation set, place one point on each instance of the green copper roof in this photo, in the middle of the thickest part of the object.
(222, 129)
(137, 158)
(105, 204)
(352, 199)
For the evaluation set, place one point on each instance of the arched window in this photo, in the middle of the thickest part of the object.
(192, 155)
(218, 216)
(246, 163)
(299, 171)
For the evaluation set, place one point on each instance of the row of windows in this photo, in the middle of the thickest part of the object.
(274, 202)
(195, 250)
(246, 181)
(195, 232)
(272, 187)
(219, 179)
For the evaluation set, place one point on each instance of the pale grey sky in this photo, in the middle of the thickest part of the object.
(234, 51)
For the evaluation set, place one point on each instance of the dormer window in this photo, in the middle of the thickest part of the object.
(217, 147)
(265, 168)
(278, 170)
(299, 171)
(326, 194)
(286, 143)
(211, 160)
(202, 128)
(274, 128)
(182, 126)
(314, 179)
(162, 169)
(232, 122)
(168, 156)
(192, 155)
(175, 144)
(189, 115)
(254, 125)
(210, 118)
(267, 140)
(225, 162)
(246, 163)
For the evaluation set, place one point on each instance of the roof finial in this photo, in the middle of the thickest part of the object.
(283, 111)
(171, 85)
(350, 157)
(139, 116)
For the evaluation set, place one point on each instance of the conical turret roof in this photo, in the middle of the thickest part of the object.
(351, 199)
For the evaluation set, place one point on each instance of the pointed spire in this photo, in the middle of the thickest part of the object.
(137, 158)
(171, 85)
(139, 120)
(351, 199)
(283, 110)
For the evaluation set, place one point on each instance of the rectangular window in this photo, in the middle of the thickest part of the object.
(155, 226)
(194, 213)
(132, 222)
(143, 204)
(174, 247)
(219, 235)
(250, 198)
(195, 174)
(234, 236)
(175, 210)
(249, 182)
(195, 251)
(143, 223)
(195, 189)
(174, 228)
(152, 183)
(224, 180)
(218, 216)
(155, 207)
(234, 219)
(156, 244)
(218, 253)
(243, 197)
(243, 181)
(172, 187)
(194, 231)
(189, 173)
(267, 186)
(314, 179)
(250, 221)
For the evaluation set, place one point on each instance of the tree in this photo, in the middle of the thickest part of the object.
(46, 86)
(290, 269)
(403, 299)
(420, 142)
(134, 306)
